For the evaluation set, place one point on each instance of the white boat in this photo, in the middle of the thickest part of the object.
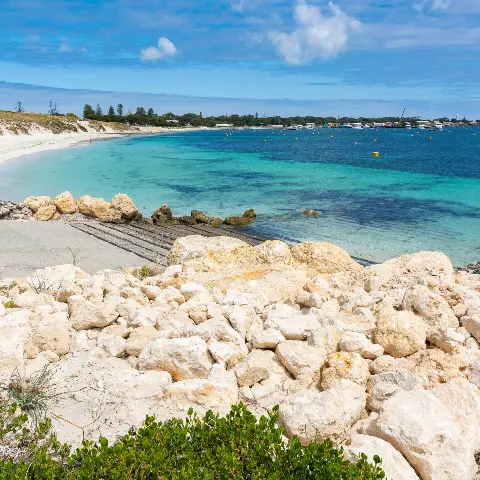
(293, 127)
(310, 126)
(421, 127)
(357, 126)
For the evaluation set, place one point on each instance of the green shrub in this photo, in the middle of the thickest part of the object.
(144, 271)
(213, 448)
(9, 304)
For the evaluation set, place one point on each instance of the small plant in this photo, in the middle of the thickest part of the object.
(42, 284)
(9, 304)
(5, 290)
(74, 254)
(32, 394)
(144, 272)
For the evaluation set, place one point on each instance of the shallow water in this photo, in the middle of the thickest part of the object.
(421, 193)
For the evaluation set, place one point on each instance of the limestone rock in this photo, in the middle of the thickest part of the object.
(34, 203)
(325, 258)
(162, 215)
(183, 358)
(53, 333)
(85, 315)
(434, 310)
(384, 385)
(409, 270)
(200, 217)
(300, 358)
(237, 221)
(359, 343)
(218, 392)
(195, 246)
(423, 429)
(472, 325)
(393, 463)
(65, 203)
(139, 338)
(400, 333)
(292, 324)
(316, 416)
(266, 339)
(254, 369)
(226, 352)
(433, 366)
(97, 208)
(124, 204)
(344, 366)
(15, 335)
(115, 346)
(45, 212)
(190, 289)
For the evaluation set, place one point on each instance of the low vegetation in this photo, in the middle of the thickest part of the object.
(236, 446)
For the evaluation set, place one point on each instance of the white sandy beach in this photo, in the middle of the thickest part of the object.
(12, 146)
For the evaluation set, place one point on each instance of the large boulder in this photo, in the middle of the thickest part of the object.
(291, 323)
(124, 204)
(344, 366)
(201, 217)
(15, 335)
(400, 333)
(45, 212)
(325, 258)
(254, 369)
(139, 338)
(408, 270)
(183, 358)
(425, 430)
(65, 203)
(85, 315)
(384, 385)
(53, 333)
(196, 246)
(34, 203)
(300, 358)
(317, 416)
(98, 208)
(359, 343)
(162, 215)
(393, 463)
(434, 310)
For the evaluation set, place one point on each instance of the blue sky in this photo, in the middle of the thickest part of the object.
(281, 56)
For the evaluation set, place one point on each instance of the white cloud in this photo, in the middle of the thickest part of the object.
(241, 5)
(432, 5)
(164, 49)
(64, 48)
(316, 35)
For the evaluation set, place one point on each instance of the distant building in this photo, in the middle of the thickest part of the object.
(171, 121)
(224, 125)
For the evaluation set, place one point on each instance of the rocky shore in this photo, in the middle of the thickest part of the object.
(383, 360)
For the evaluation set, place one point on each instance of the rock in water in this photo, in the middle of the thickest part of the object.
(311, 213)
(250, 213)
(65, 203)
(162, 215)
(200, 217)
(237, 221)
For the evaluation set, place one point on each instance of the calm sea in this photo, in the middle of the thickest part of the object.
(421, 193)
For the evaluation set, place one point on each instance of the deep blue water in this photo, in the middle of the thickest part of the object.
(421, 193)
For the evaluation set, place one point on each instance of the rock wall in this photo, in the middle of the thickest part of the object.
(383, 360)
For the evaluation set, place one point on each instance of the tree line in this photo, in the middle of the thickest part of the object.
(141, 116)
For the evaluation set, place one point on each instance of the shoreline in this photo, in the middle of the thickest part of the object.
(14, 146)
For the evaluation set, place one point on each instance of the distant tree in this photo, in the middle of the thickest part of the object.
(150, 112)
(111, 112)
(120, 110)
(88, 111)
(98, 110)
(129, 112)
(53, 109)
(19, 108)
(140, 111)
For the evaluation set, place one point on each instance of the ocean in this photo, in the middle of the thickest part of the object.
(421, 193)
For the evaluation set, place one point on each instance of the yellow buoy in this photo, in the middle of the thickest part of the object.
(374, 139)
(331, 136)
(356, 143)
(376, 154)
(264, 140)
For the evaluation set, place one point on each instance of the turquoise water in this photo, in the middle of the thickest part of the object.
(421, 193)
